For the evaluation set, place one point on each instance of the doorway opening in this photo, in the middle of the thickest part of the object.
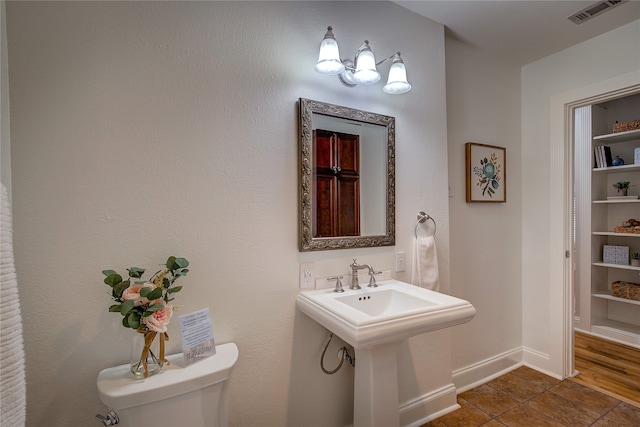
(605, 283)
(563, 106)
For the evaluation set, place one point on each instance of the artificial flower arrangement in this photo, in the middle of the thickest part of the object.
(144, 306)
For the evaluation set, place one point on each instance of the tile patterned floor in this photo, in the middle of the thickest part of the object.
(527, 398)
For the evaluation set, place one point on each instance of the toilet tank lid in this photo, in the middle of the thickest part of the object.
(118, 389)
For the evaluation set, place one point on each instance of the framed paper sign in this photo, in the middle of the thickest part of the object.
(486, 173)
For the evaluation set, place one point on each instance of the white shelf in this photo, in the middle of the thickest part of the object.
(618, 299)
(617, 201)
(620, 266)
(612, 138)
(618, 331)
(623, 168)
(613, 233)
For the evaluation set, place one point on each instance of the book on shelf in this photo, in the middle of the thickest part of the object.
(603, 158)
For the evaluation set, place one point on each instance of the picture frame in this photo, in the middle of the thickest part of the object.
(486, 173)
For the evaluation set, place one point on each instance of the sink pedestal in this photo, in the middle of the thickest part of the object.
(376, 401)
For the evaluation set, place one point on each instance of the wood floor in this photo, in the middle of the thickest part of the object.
(609, 367)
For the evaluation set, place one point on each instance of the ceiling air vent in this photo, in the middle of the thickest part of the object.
(594, 10)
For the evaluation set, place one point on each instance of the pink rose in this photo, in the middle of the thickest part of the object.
(132, 293)
(159, 320)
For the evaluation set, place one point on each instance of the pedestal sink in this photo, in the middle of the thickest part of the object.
(375, 321)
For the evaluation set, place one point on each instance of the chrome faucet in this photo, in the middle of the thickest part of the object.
(355, 283)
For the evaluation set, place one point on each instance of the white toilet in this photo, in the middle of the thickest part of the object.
(194, 396)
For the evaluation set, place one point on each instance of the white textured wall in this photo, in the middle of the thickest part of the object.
(483, 106)
(609, 55)
(146, 129)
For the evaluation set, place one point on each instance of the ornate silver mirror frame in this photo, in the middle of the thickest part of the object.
(309, 109)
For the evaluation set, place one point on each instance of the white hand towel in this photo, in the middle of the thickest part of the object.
(12, 377)
(424, 263)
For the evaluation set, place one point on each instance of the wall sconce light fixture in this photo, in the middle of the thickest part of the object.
(362, 70)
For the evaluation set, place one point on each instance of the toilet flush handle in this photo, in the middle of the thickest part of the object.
(110, 419)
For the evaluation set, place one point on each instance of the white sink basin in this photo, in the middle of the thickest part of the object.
(385, 303)
(391, 312)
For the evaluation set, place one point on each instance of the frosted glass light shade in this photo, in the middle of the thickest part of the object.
(397, 82)
(329, 58)
(366, 73)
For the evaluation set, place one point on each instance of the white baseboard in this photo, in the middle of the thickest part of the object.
(486, 370)
(539, 361)
(444, 400)
(428, 407)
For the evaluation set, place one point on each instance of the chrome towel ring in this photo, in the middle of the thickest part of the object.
(422, 217)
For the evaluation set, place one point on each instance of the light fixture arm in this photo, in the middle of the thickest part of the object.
(386, 59)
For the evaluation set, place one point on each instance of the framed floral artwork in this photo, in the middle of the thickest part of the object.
(486, 173)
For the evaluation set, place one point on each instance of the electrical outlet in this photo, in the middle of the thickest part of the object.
(307, 275)
(400, 262)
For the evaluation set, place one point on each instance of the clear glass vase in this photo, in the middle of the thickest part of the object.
(139, 356)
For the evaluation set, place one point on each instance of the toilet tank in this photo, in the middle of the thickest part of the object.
(192, 396)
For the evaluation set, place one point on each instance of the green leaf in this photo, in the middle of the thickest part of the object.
(174, 289)
(135, 272)
(151, 309)
(170, 263)
(181, 262)
(119, 289)
(115, 308)
(174, 263)
(154, 294)
(133, 319)
(108, 272)
(112, 279)
(145, 291)
(125, 322)
(126, 307)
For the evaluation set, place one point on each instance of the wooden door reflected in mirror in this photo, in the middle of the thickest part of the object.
(336, 164)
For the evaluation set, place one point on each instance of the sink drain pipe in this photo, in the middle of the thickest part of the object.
(345, 356)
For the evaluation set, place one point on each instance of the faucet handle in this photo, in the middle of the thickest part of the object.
(372, 278)
(338, 283)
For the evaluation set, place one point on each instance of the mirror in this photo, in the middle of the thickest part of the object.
(347, 177)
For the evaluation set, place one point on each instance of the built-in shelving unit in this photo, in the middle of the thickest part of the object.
(610, 316)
